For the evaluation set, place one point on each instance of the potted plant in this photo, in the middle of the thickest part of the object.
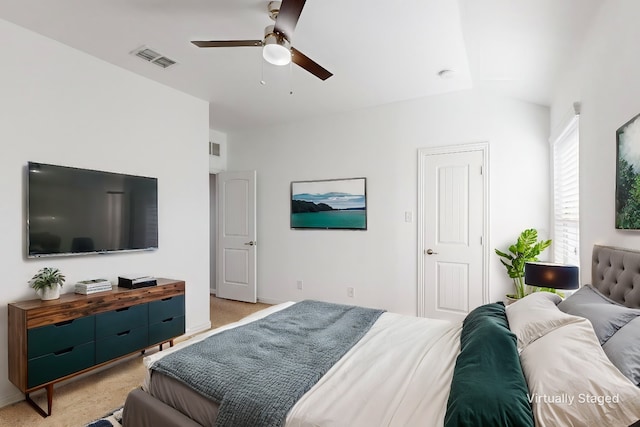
(47, 283)
(526, 249)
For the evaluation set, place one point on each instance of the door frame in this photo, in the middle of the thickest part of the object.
(451, 149)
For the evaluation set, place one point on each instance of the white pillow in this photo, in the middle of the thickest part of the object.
(536, 315)
(572, 382)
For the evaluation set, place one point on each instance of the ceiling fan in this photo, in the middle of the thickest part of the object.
(276, 45)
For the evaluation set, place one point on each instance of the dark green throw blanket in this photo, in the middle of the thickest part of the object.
(488, 387)
(258, 371)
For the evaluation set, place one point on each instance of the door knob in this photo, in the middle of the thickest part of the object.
(251, 243)
(430, 252)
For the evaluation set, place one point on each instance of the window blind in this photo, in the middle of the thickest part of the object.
(566, 196)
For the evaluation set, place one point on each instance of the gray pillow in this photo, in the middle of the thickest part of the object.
(623, 349)
(605, 315)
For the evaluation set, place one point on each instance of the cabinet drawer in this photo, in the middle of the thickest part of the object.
(166, 309)
(166, 330)
(123, 343)
(52, 366)
(121, 320)
(59, 336)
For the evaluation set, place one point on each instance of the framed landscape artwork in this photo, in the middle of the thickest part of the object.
(339, 204)
(628, 175)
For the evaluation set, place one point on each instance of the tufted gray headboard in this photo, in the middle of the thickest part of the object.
(616, 273)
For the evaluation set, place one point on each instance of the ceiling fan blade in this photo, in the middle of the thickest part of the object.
(288, 16)
(309, 64)
(227, 43)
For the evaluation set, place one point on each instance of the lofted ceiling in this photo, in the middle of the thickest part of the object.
(380, 52)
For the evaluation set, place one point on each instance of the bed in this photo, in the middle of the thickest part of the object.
(537, 362)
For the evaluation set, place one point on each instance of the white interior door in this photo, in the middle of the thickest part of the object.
(452, 224)
(236, 255)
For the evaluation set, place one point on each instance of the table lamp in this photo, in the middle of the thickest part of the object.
(550, 275)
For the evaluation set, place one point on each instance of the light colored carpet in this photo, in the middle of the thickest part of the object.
(84, 399)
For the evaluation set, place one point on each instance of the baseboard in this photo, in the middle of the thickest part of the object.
(270, 301)
(11, 399)
(197, 329)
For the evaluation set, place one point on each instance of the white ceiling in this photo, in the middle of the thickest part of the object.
(379, 51)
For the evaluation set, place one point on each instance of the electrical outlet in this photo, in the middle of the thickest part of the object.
(350, 292)
(408, 216)
(299, 283)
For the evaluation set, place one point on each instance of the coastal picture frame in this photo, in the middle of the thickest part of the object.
(628, 175)
(329, 204)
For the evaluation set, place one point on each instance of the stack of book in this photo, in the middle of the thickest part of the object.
(88, 287)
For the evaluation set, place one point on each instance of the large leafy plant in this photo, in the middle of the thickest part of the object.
(47, 278)
(526, 249)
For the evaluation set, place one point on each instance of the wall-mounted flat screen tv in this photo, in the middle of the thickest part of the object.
(73, 211)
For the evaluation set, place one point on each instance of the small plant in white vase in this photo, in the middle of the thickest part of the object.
(47, 283)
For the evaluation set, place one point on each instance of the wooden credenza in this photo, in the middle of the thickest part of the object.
(50, 341)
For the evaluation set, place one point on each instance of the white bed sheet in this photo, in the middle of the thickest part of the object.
(398, 374)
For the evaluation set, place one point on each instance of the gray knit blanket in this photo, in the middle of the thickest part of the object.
(258, 371)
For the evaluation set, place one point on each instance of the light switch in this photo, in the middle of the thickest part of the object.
(408, 216)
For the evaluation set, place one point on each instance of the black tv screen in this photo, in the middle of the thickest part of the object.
(79, 211)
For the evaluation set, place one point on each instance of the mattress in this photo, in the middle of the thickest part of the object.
(183, 398)
(381, 379)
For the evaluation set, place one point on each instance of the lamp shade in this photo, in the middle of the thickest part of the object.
(549, 275)
(276, 50)
(276, 54)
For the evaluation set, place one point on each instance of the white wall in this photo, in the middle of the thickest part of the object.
(218, 163)
(61, 106)
(381, 144)
(605, 80)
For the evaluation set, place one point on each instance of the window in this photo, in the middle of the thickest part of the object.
(566, 198)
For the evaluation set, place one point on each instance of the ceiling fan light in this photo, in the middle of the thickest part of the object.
(276, 50)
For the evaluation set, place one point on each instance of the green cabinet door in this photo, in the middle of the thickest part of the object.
(66, 361)
(59, 336)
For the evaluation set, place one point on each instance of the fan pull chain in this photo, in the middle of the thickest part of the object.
(262, 81)
(291, 78)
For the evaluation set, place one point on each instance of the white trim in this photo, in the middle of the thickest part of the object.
(567, 121)
(449, 149)
(271, 301)
(570, 126)
(197, 329)
(9, 399)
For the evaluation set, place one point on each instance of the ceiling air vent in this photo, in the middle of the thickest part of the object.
(163, 62)
(214, 149)
(154, 57)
